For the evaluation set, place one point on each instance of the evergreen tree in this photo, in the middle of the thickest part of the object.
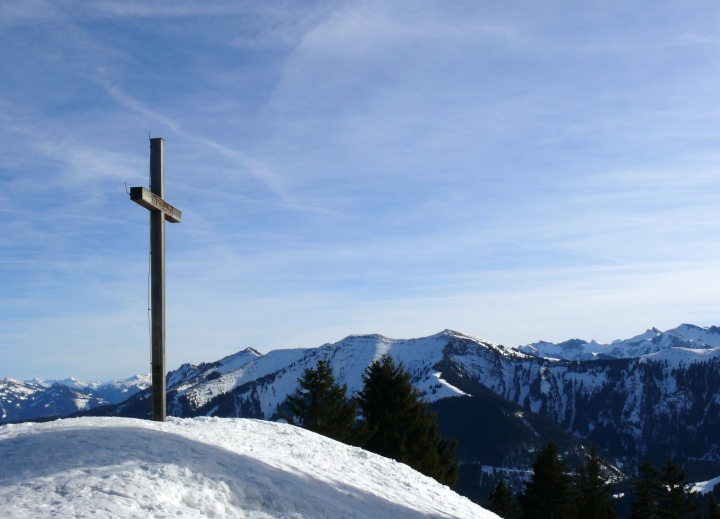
(399, 425)
(319, 404)
(647, 488)
(502, 502)
(549, 493)
(712, 511)
(675, 500)
(592, 497)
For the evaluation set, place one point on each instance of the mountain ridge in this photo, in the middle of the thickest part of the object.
(666, 402)
(38, 398)
(195, 385)
(653, 340)
(614, 402)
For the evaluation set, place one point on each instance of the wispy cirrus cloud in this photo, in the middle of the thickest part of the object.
(517, 172)
(255, 167)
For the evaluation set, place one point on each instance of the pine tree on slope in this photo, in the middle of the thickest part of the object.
(647, 488)
(502, 502)
(662, 494)
(399, 424)
(712, 511)
(320, 405)
(592, 497)
(675, 498)
(549, 493)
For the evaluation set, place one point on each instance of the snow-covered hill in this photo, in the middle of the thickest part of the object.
(686, 336)
(207, 468)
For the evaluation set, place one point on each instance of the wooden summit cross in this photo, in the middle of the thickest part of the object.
(160, 211)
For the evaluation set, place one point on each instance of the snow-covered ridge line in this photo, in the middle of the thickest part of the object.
(263, 381)
(425, 359)
(42, 398)
(349, 358)
(705, 487)
(686, 336)
(135, 380)
(678, 356)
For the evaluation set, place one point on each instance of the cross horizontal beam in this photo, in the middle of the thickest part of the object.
(151, 201)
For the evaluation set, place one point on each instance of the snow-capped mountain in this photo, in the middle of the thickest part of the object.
(652, 341)
(207, 467)
(663, 402)
(632, 408)
(46, 398)
(260, 385)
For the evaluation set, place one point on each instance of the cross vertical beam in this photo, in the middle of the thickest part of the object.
(157, 275)
(160, 210)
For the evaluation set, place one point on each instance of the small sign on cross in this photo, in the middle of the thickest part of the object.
(160, 211)
(150, 200)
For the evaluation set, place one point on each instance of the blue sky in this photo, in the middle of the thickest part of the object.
(513, 170)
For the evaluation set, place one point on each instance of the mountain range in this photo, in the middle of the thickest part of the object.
(654, 396)
(652, 341)
(35, 399)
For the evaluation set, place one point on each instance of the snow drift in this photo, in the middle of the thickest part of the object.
(207, 467)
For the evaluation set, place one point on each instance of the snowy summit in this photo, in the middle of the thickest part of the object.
(207, 467)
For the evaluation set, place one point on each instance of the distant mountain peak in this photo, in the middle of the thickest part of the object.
(453, 333)
(247, 353)
(653, 340)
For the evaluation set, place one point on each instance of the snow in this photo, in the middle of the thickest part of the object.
(69, 382)
(652, 341)
(705, 486)
(707, 337)
(206, 467)
(136, 381)
(348, 358)
(237, 360)
(677, 357)
(82, 403)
